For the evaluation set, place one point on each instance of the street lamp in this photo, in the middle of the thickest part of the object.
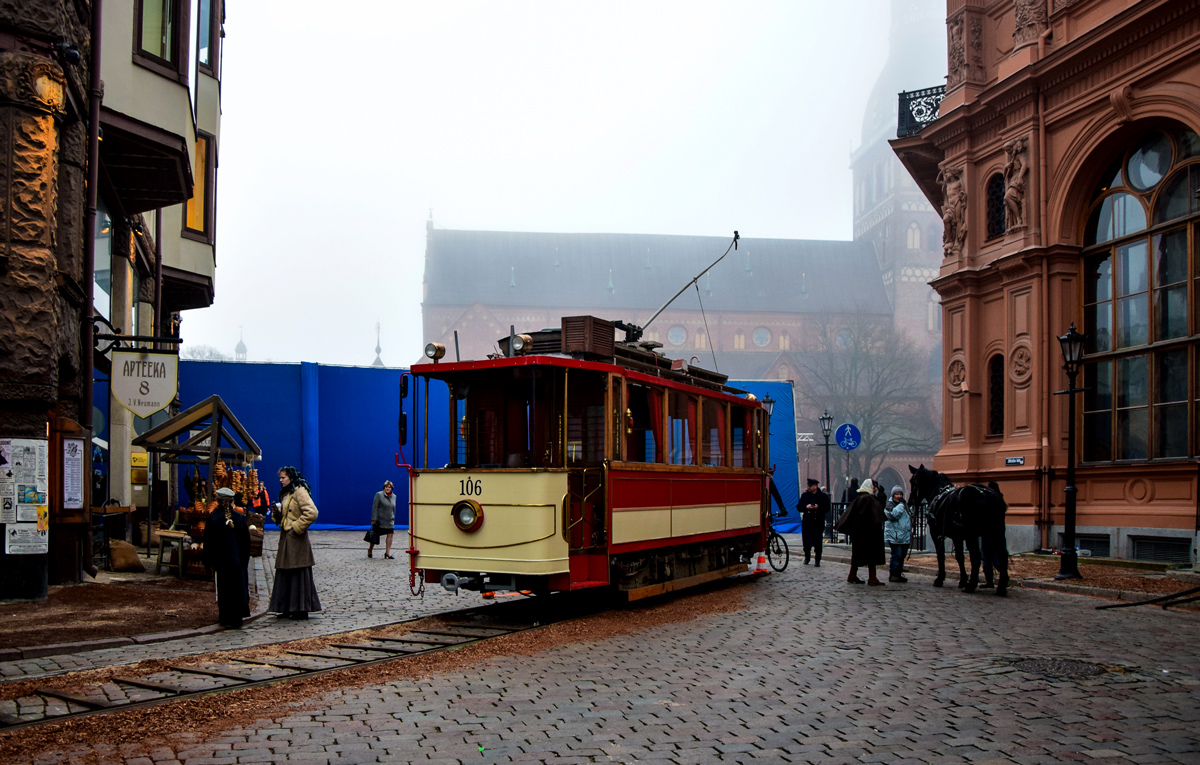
(768, 403)
(826, 430)
(1072, 351)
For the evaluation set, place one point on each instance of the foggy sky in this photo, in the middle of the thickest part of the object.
(340, 132)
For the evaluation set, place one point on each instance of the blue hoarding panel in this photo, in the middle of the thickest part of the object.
(783, 445)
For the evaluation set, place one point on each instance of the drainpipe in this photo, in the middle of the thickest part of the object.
(86, 338)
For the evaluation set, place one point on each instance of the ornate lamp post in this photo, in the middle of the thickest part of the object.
(1072, 351)
(827, 430)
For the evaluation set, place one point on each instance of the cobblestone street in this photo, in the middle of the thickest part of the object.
(812, 670)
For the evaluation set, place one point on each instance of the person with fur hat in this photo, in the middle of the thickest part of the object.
(227, 554)
(813, 507)
(864, 523)
(897, 532)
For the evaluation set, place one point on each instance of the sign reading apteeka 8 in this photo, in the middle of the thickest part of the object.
(144, 382)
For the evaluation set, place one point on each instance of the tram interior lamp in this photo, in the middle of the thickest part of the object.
(435, 351)
(826, 424)
(1072, 349)
(768, 404)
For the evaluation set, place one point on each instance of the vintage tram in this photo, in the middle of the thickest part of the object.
(577, 460)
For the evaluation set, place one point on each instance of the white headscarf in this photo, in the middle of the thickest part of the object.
(868, 487)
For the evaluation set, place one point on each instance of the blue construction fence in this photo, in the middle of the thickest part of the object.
(338, 426)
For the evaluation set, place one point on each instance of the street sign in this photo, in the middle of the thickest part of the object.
(144, 382)
(804, 438)
(848, 437)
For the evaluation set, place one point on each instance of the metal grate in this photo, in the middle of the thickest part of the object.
(1162, 550)
(917, 109)
(1063, 668)
(1098, 546)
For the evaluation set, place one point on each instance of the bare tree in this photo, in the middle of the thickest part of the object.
(867, 373)
(203, 353)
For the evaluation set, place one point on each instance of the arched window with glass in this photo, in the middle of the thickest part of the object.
(1141, 289)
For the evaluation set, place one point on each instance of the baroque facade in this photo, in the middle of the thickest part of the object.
(108, 200)
(1065, 163)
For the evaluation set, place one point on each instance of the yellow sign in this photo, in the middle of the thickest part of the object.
(139, 460)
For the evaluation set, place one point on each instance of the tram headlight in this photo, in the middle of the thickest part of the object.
(522, 343)
(467, 515)
(435, 351)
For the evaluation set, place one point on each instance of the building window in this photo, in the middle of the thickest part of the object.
(762, 337)
(102, 294)
(996, 396)
(208, 36)
(198, 218)
(1141, 286)
(701, 339)
(676, 335)
(995, 206)
(161, 38)
(739, 340)
(785, 341)
(914, 236)
(933, 317)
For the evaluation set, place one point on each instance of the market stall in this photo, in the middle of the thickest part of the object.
(213, 451)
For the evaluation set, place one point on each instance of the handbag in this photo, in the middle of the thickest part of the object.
(372, 536)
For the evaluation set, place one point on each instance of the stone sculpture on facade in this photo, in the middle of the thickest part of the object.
(1016, 179)
(956, 52)
(1030, 21)
(954, 210)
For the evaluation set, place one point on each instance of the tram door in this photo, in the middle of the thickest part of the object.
(585, 430)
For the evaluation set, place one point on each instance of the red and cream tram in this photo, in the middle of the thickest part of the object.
(579, 461)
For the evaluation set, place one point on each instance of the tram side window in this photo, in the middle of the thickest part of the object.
(713, 444)
(644, 423)
(682, 421)
(585, 418)
(742, 430)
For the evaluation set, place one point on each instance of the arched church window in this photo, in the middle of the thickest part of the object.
(1139, 299)
(785, 341)
(933, 313)
(996, 395)
(739, 340)
(995, 206)
(914, 236)
(701, 339)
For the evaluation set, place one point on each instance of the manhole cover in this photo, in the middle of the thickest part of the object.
(1059, 667)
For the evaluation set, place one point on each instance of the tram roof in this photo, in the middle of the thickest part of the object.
(550, 269)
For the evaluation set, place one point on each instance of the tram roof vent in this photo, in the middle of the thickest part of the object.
(588, 335)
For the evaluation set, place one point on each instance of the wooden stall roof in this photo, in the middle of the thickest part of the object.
(213, 421)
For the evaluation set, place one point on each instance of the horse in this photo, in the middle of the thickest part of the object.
(966, 514)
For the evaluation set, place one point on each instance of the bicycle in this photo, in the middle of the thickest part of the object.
(777, 547)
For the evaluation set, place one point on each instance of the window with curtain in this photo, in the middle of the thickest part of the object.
(713, 439)
(643, 424)
(741, 432)
(681, 420)
(1141, 285)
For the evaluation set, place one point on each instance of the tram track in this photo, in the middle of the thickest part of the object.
(174, 680)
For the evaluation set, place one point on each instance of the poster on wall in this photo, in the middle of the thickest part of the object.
(73, 474)
(24, 506)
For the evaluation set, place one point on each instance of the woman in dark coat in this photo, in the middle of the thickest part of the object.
(864, 523)
(227, 553)
(295, 592)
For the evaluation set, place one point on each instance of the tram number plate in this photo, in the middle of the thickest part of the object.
(470, 487)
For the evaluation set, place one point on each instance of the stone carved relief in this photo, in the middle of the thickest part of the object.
(1030, 21)
(954, 210)
(1022, 364)
(34, 82)
(1016, 181)
(1122, 103)
(1063, 4)
(956, 51)
(956, 375)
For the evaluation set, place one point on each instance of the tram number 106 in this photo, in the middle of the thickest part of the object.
(470, 488)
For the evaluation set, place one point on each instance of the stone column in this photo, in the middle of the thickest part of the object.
(31, 110)
(120, 419)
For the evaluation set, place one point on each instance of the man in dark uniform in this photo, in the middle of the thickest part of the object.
(813, 507)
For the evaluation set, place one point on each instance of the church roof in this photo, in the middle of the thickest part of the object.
(641, 271)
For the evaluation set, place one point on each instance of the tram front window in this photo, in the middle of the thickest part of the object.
(505, 419)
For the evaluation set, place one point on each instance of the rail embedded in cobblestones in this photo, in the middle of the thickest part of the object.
(178, 681)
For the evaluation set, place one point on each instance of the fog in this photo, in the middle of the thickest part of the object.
(343, 133)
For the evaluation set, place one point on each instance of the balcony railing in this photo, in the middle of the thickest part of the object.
(917, 109)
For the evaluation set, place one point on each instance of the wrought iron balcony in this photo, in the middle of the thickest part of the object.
(917, 109)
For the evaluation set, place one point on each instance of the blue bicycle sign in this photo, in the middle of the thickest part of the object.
(848, 437)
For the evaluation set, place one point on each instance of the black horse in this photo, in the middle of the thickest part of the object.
(967, 515)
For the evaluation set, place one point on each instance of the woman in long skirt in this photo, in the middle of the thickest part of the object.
(226, 553)
(864, 524)
(295, 591)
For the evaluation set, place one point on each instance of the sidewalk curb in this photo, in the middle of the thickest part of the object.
(81, 646)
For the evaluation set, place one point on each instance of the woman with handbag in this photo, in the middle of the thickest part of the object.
(383, 520)
(295, 591)
(863, 521)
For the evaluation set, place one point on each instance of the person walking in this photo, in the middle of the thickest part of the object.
(226, 554)
(295, 591)
(864, 523)
(897, 533)
(813, 507)
(383, 519)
